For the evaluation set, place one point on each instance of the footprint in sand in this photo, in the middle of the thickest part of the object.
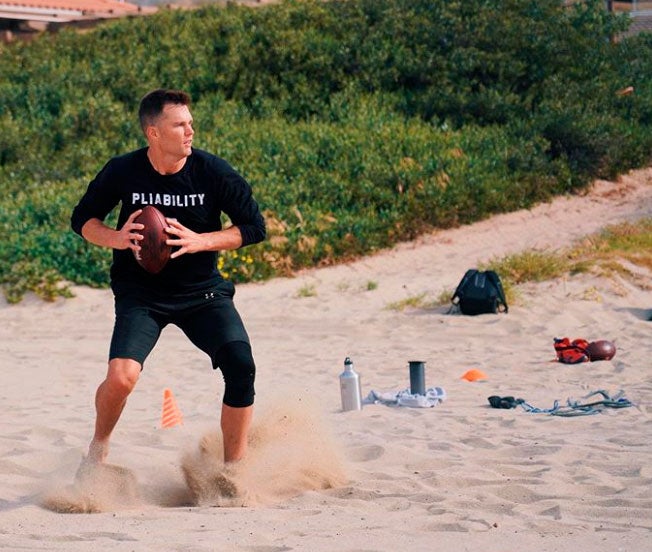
(366, 453)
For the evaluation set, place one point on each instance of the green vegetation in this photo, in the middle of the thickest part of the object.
(611, 252)
(631, 242)
(616, 252)
(309, 290)
(360, 123)
(371, 285)
(527, 266)
(419, 301)
(530, 266)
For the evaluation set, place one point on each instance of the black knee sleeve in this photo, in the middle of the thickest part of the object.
(239, 372)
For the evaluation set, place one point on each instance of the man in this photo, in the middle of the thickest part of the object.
(192, 188)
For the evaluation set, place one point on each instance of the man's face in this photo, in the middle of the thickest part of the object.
(174, 130)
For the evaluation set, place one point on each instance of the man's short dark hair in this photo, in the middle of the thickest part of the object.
(152, 104)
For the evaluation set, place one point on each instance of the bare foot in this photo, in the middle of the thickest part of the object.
(101, 487)
(97, 452)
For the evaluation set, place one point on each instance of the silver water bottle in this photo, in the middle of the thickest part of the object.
(350, 387)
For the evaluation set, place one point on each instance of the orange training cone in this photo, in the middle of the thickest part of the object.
(474, 375)
(171, 415)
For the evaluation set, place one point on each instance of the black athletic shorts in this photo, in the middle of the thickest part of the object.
(209, 319)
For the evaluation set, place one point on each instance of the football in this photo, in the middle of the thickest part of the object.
(154, 252)
(601, 350)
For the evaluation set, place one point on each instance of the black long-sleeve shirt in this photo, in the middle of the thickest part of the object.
(196, 196)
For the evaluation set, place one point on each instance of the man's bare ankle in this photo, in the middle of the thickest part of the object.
(97, 452)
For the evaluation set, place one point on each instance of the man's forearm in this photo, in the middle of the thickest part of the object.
(98, 233)
(224, 240)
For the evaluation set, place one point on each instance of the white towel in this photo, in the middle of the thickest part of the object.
(433, 396)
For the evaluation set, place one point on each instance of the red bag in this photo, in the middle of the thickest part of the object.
(571, 352)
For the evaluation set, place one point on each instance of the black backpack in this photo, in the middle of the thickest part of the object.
(479, 293)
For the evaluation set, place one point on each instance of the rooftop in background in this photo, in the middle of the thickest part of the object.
(640, 11)
(23, 17)
(62, 11)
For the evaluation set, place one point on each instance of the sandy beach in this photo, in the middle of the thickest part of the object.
(458, 476)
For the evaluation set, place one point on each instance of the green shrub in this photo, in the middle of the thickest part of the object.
(359, 123)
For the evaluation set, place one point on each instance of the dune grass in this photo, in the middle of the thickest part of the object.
(612, 252)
